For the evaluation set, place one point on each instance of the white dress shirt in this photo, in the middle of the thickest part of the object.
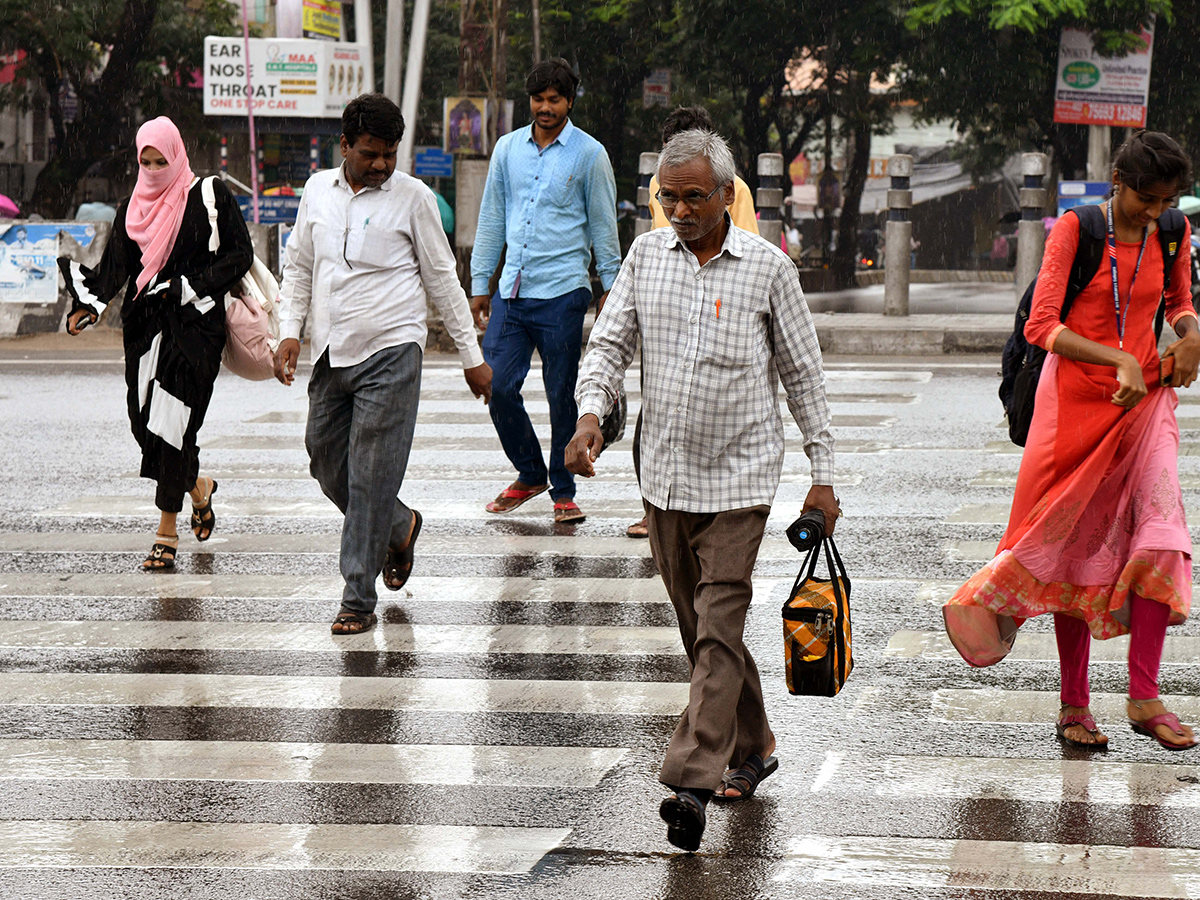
(361, 266)
(716, 341)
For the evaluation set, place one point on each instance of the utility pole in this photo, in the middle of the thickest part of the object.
(393, 51)
(1099, 158)
(499, 31)
(412, 84)
(537, 31)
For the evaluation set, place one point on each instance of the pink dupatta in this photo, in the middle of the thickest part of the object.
(156, 208)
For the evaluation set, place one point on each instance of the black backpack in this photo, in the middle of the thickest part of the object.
(1021, 363)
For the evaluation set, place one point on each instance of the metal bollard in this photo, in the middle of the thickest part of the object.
(1031, 233)
(898, 237)
(647, 169)
(769, 197)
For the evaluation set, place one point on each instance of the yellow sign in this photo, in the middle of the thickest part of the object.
(322, 19)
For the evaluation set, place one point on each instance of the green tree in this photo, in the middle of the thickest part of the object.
(799, 72)
(124, 61)
(990, 66)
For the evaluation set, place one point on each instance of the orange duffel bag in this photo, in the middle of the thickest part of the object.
(816, 627)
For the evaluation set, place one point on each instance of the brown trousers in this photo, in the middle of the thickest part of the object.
(706, 560)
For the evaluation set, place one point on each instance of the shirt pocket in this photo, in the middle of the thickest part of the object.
(732, 337)
(565, 190)
(368, 246)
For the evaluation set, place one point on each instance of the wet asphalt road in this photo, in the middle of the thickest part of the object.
(199, 734)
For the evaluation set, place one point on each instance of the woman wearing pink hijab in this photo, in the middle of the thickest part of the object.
(173, 319)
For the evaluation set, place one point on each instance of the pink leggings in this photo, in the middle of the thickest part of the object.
(1147, 631)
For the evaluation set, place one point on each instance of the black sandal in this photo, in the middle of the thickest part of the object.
(203, 517)
(161, 558)
(397, 566)
(684, 815)
(364, 621)
(747, 778)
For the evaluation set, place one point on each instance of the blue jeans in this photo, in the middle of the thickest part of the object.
(553, 327)
(359, 434)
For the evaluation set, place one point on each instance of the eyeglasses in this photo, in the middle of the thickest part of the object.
(694, 199)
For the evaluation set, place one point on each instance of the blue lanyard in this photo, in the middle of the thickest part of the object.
(1112, 263)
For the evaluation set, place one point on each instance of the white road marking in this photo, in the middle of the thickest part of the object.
(268, 845)
(316, 638)
(445, 764)
(1091, 781)
(931, 864)
(994, 705)
(1178, 649)
(465, 695)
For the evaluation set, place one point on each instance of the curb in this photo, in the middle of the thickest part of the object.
(867, 334)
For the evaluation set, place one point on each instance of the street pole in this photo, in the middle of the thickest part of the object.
(769, 197)
(362, 37)
(250, 114)
(1031, 233)
(537, 31)
(647, 166)
(897, 257)
(412, 83)
(1099, 159)
(393, 51)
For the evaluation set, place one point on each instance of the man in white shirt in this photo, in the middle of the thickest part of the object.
(722, 321)
(367, 250)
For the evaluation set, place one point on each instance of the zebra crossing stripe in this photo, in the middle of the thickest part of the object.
(329, 587)
(979, 514)
(932, 864)
(310, 638)
(931, 778)
(1179, 649)
(1039, 707)
(460, 695)
(266, 845)
(255, 761)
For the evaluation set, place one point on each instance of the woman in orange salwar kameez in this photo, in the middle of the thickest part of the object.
(1097, 533)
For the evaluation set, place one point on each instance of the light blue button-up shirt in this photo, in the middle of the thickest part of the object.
(552, 207)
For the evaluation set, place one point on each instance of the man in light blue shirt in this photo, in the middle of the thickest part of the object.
(551, 198)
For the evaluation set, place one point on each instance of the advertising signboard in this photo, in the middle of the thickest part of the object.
(322, 19)
(297, 77)
(28, 259)
(271, 210)
(1080, 193)
(432, 162)
(1095, 90)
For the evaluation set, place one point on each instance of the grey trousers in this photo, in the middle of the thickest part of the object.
(360, 431)
(706, 560)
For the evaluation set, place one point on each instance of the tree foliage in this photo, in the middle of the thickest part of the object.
(124, 61)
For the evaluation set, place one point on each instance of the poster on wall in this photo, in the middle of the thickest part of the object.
(28, 260)
(463, 128)
(1095, 90)
(298, 77)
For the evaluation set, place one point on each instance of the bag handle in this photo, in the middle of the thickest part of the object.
(839, 577)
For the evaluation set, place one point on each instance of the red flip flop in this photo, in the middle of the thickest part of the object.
(512, 497)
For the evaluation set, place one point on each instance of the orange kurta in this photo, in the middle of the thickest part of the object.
(1097, 511)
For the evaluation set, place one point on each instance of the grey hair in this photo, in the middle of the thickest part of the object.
(689, 145)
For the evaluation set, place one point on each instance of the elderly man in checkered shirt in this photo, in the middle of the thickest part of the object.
(721, 319)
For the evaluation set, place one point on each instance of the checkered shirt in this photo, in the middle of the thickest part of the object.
(713, 339)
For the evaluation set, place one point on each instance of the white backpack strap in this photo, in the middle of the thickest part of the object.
(210, 203)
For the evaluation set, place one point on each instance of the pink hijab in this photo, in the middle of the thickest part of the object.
(156, 208)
